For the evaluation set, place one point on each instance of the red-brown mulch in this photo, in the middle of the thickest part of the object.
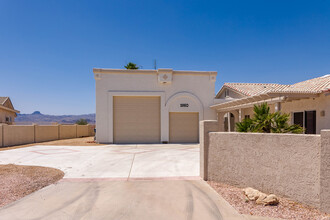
(286, 209)
(17, 181)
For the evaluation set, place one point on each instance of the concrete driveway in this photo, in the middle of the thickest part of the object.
(111, 161)
(125, 182)
(123, 200)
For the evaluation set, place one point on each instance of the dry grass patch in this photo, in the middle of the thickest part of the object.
(286, 209)
(17, 181)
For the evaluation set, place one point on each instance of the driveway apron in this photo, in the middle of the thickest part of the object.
(118, 182)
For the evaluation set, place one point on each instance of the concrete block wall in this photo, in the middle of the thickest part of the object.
(67, 131)
(291, 165)
(17, 134)
(26, 134)
(91, 131)
(46, 133)
(82, 131)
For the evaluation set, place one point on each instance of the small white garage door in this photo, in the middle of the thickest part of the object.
(136, 119)
(184, 127)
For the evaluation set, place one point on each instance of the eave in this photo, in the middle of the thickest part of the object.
(9, 109)
(270, 98)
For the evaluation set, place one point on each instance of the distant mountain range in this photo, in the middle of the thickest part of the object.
(38, 118)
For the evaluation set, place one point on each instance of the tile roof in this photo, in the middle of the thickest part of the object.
(2, 100)
(252, 89)
(314, 86)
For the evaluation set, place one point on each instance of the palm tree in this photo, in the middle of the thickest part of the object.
(265, 122)
(131, 66)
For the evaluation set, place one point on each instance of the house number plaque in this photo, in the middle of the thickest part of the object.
(184, 105)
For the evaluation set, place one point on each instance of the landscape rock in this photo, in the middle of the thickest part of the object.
(251, 194)
(259, 197)
(268, 200)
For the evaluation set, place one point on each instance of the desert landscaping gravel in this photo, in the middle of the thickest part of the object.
(285, 210)
(17, 181)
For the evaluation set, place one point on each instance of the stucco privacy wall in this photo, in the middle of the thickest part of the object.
(191, 87)
(82, 131)
(26, 134)
(292, 165)
(205, 127)
(325, 171)
(68, 131)
(46, 133)
(17, 134)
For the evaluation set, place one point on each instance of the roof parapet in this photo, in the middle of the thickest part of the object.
(146, 71)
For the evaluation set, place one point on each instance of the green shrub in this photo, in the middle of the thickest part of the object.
(81, 121)
(265, 122)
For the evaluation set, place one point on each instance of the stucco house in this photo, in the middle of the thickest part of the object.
(152, 106)
(307, 102)
(7, 111)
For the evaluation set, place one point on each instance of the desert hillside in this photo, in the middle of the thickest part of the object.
(39, 118)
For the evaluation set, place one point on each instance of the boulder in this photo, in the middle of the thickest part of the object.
(251, 194)
(268, 200)
(259, 197)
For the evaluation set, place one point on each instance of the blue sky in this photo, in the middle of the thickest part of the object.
(48, 48)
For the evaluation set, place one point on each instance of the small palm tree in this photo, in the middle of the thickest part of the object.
(244, 126)
(131, 66)
(281, 124)
(265, 122)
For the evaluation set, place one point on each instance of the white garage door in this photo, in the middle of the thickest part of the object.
(184, 127)
(136, 119)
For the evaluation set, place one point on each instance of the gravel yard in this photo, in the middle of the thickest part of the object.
(285, 210)
(18, 181)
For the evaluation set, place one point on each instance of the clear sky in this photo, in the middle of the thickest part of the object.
(48, 48)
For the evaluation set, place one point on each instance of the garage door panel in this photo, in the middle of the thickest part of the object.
(136, 119)
(184, 127)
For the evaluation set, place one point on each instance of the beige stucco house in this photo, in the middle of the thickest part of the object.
(308, 102)
(152, 106)
(7, 111)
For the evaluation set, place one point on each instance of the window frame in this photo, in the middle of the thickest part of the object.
(304, 118)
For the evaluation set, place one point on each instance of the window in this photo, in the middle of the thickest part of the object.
(306, 120)
(310, 122)
(298, 118)
(226, 93)
(247, 116)
(8, 119)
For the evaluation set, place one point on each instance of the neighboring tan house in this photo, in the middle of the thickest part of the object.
(307, 102)
(152, 106)
(7, 111)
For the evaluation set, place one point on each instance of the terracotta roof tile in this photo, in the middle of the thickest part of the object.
(316, 85)
(252, 89)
